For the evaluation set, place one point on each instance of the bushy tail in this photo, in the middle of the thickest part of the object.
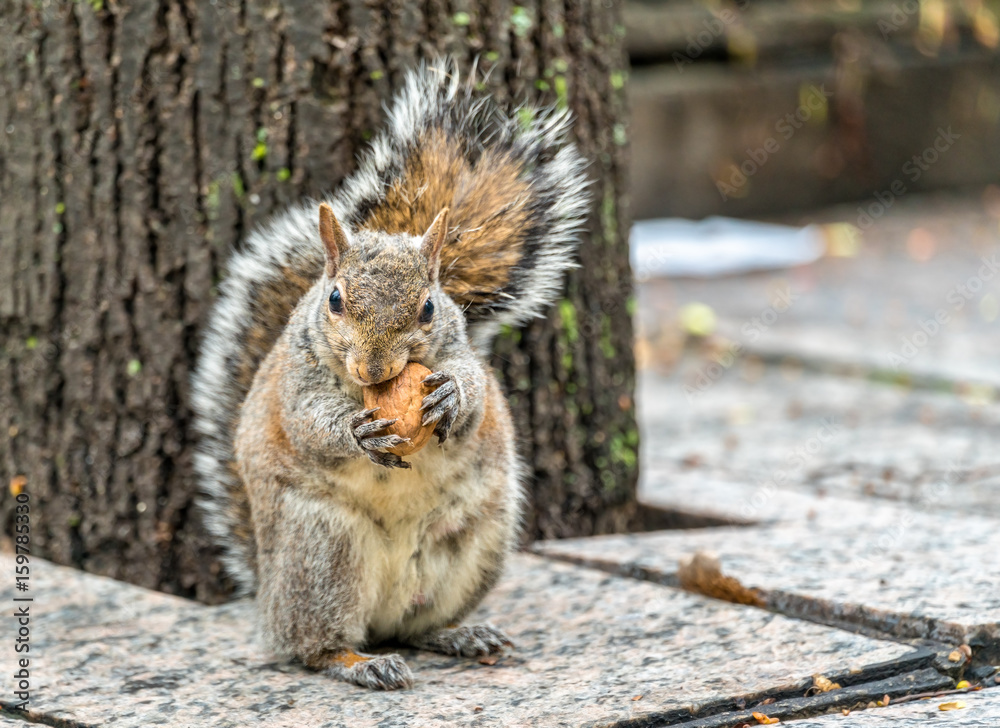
(516, 190)
(264, 281)
(517, 195)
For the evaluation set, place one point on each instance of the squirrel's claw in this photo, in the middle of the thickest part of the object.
(474, 640)
(387, 459)
(383, 442)
(367, 430)
(444, 415)
(441, 405)
(372, 444)
(360, 418)
(378, 672)
(438, 394)
(436, 378)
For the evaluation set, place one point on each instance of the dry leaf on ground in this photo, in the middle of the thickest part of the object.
(702, 574)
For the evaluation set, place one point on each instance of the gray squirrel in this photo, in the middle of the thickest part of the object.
(461, 217)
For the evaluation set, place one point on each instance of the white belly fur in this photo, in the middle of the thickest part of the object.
(413, 578)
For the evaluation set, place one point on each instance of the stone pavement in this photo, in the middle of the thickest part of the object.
(899, 571)
(593, 649)
(847, 549)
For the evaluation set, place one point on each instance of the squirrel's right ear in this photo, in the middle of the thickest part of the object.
(333, 237)
(433, 240)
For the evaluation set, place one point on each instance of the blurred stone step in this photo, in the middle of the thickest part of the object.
(782, 427)
(590, 644)
(899, 571)
(762, 400)
(954, 360)
(717, 139)
(771, 31)
(918, 302)
(926, 253)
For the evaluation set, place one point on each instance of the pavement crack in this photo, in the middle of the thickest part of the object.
(37, 718)
(858, 691)
(706, 579)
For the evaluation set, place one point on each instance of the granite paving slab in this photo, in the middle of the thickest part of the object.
(724, 501)
(982, 710)
(107, 653)
(822, 434)
(898, 570)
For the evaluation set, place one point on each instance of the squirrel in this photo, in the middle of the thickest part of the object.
(462, 217)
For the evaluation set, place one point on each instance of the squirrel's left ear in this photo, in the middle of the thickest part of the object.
(333, 237)
(433, 240)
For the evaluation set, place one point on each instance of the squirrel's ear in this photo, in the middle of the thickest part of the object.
(333, 237)
(433, 241)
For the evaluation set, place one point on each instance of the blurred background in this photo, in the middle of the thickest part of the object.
(846, 92)
(865, 135)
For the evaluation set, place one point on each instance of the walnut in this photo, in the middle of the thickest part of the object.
(400, 398)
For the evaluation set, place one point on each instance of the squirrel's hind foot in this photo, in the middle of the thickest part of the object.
(476, 640)
(378, 672)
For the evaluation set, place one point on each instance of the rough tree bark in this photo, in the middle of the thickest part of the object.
(139, 141)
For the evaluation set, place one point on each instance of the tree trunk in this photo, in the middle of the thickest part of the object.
(140, 141)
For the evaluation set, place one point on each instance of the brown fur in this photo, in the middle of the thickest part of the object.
(276, 307)
(348, 658)
(489, 211)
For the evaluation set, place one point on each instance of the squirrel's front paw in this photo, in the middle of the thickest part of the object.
(442, 404)
(366, 434)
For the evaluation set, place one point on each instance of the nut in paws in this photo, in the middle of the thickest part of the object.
(399, 399)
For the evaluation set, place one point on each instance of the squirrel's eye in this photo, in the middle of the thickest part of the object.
(336, 305)
(427, 312)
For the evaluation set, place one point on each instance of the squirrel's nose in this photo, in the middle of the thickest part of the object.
(372, 373)
(367, 374)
